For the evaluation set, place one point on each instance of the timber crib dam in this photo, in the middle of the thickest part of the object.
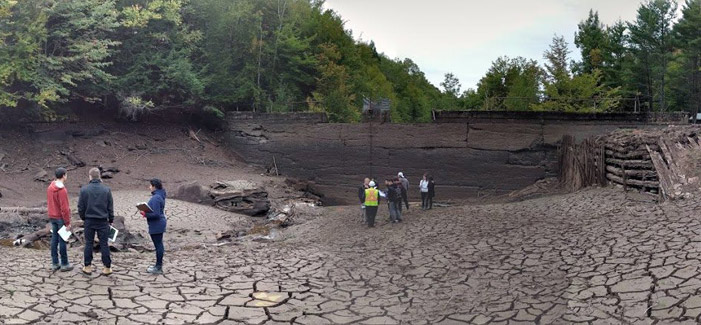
(471, 154)
(662, 162)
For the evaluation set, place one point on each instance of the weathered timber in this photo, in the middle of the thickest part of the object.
(646, 164)
(632, 182)
(637, 154)
(637, 173)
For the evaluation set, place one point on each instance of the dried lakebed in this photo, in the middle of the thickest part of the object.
(596, 256)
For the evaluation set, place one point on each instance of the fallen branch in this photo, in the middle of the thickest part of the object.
(193, 135)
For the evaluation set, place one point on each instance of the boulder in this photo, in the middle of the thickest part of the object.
(195, 193)
(41, 176)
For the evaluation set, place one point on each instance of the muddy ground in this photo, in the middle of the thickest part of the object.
(599, 256)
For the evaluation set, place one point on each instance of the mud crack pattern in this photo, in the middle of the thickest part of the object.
(595, 257)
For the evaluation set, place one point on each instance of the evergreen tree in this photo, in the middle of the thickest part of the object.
(687, 84)
(651, 46)
(591, 40)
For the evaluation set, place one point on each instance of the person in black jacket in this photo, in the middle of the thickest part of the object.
(95, 207)
(361, 196)
(394, 200)
(431, 192)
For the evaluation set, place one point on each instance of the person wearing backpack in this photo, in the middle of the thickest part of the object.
(405, 190)
(394, 199)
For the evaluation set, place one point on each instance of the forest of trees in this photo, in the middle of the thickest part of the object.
(650, 64)
(213, 56)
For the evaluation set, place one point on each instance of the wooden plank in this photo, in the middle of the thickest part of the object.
(663, 174)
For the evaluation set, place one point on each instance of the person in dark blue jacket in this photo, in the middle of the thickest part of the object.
(156, 223)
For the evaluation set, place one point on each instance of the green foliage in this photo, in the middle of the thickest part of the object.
(582, 93)
(54, 51)
(155, 60)
(510, 83)
(685, 68)
(591, 38)
(651, 44)
(213, 56)
(333, 94)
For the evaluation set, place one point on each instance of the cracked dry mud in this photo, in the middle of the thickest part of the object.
(596, 256)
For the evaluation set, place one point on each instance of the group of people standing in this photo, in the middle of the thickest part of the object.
(96, 209)
(396, 193)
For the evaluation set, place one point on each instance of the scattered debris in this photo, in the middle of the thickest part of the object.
(73, 159)
(311, 192)
(108, 172)
(234, 196)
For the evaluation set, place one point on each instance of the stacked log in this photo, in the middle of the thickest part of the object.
(663, 162)
(628, 162)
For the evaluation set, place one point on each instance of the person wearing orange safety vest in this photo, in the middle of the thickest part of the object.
(371, 198)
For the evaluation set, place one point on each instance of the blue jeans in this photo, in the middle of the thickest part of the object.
(58, 244)
(160, 250)
(102, 228)
(395, 213)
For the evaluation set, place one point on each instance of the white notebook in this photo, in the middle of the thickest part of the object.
(64, 233)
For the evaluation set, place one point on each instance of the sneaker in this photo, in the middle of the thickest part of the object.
(87, 269)
(154, 270)
(55, 267)
(66, 268)
(107, 271)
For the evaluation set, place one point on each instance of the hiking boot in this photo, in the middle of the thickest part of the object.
(66, 268)
(155, 270)
(87, 269)
(55, 267)
(107, 271)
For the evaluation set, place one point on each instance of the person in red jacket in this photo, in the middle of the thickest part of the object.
(59, 215)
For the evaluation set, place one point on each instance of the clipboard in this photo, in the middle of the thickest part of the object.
(113, 234)
(143, 206)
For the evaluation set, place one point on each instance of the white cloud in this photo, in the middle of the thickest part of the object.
(465, 36)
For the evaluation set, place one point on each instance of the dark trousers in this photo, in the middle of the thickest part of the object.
(405, 198)
(102, 228)
(158, 244)
(58, 244)
(424, 200)
(429, 202)
(370, 213)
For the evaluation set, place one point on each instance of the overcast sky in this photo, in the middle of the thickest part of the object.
(465, 36)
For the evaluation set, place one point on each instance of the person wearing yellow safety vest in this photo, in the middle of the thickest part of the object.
(371, 197)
